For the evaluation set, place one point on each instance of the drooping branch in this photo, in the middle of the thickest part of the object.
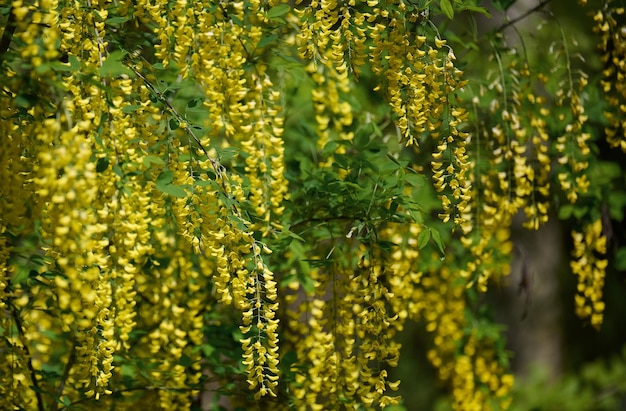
(7, 35)
(31, 368)
(217, 167)
(67, 369)
(522, 16)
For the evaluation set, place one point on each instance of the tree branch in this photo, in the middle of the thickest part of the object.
(7, 35)
(29, 363)
(528, 12)
(66, 371)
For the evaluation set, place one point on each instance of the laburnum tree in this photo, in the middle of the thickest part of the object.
(241, 204)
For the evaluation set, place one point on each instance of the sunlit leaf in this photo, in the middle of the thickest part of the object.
(278, 10)
(446, 8)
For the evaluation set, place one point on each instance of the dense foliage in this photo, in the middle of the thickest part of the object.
(242, 203)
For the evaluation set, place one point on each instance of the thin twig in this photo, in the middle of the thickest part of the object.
(523, 16)
(7, 35)
(131, 389)
(217, 167)
(66, 370)
(29, 362)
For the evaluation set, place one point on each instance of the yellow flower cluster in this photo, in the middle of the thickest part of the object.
(333, 33)
(14, 192)
(33, 21)
(420, 82)
(518, 157)
(123, 199)
(332, 36)
(346, 336)
(259, 323)
(513, 162)
(261, 139)
(403, 262)
(609, 23)
(444, 313)
(590, 270)
(314, 342)
(519, 145)
(536, 209)
(345, 328)
(69, 185)
(419, 79)
(573, 146)
(333, 114)
(454, 180)
(36, 33)
(478, 381)
(467, 362)
(176, 328)
(438, 298)
(103, 223)
(243, 111)
(5, 252)
(10, 369)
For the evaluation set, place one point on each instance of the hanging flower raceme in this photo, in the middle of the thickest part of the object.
(334, 34)
(149, 218)
(260, 342)
(609, 24)
(590, 269)
(347, 337)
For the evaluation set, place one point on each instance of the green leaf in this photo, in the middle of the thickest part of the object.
(278, 10)
(415, 180)
(118, 170)
(386, 245)
(102, 164)
(61, 67)
(579, 212)
(26, 100)
(503, 4)
(437, 239)
(174, 124)
(307, 283)
(446, 8)
(74, 63)
(152, 159)
(116, 21)
(342, 160)
(423, 238)
(294, 235)
(194, 102)
(267, 40)
(185, 361)
(393, 207)
(477, 9)
(171, 189)
(131, 108)
(207, 350)
(113, 65)
(228, 153)
(565, 211)
(617, 205)
(392, 158)
(166, 177)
